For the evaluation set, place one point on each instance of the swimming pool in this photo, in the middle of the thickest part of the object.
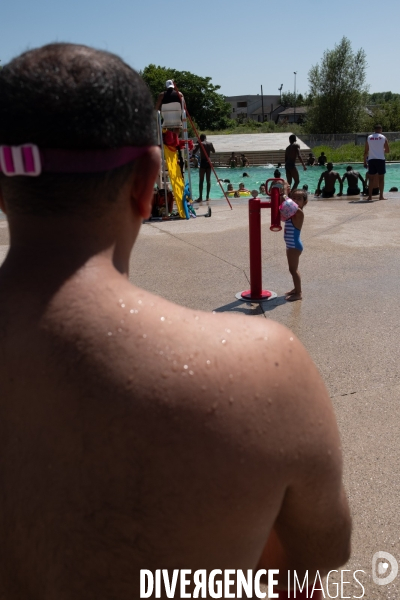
(258, 175)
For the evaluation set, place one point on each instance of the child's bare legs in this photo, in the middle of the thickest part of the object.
(293, 257)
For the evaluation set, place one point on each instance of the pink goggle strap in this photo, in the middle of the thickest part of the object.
(29, 160)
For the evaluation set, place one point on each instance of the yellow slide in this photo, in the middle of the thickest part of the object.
(176, 179)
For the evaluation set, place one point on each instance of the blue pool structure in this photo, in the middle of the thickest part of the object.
(259, 175)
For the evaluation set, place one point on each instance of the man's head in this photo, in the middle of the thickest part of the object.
(349, 168)
(329, 166)
(378, 128)
(277, 174)
(169, 84)
(292, 138)
(203, 137)
(322, 153)
(71, 97)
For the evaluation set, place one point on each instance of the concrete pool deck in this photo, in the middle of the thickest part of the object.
(349, 320)
(245, 142)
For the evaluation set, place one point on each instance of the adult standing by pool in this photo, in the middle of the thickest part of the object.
(376, 147)
(291, 154)
(205, 169)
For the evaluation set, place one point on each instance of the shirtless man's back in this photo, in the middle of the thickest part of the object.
(134, 433)
(329, 177)
(292, 153)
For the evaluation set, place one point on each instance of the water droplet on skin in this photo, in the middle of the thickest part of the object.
(119, 330)
(227, 330)
(196, 318)
(162, 319)
(145, 335)
(122, 305)
(213, 312)
(174, 366)
(161, 352)
(191, 372)
(140, 302)
(204, 388)
(185, 367)
(109, 333)
(131, 311)
(122, 321)
(269, 401)
(231, 376)
(208, 363)
(164, 374)
(231, 400)
(290, 339)
(215, 405)
(266, 338)
(223, 342)
(120, 300)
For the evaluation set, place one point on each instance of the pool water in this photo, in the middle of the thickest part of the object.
(259, 175)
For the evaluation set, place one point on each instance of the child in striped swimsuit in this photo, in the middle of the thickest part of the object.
(294, 246)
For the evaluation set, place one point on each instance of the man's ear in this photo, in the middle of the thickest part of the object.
(2, 203)
(145, 171)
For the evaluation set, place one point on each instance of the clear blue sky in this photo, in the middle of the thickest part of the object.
(241, 44)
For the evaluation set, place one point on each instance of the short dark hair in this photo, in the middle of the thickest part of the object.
(349, 168)
(292, 138)
(277, 174)
(329, 166)
(377, 126)
(72, 97)
(202, 137)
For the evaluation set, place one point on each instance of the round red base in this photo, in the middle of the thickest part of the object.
(265, 294)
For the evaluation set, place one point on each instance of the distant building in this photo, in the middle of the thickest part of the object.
(298, 115)
(251, 106)
(292, 115)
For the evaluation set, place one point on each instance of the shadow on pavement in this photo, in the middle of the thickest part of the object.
(251, 308)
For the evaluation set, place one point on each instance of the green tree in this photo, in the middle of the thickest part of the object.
(381, 97)
(288, 99)
(338, 90)
(388, 115)
(206, 106)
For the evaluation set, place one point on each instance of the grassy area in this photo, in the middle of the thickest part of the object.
(346, 153)
(352, 153)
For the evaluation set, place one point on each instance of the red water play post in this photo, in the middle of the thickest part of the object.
(256, 293)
